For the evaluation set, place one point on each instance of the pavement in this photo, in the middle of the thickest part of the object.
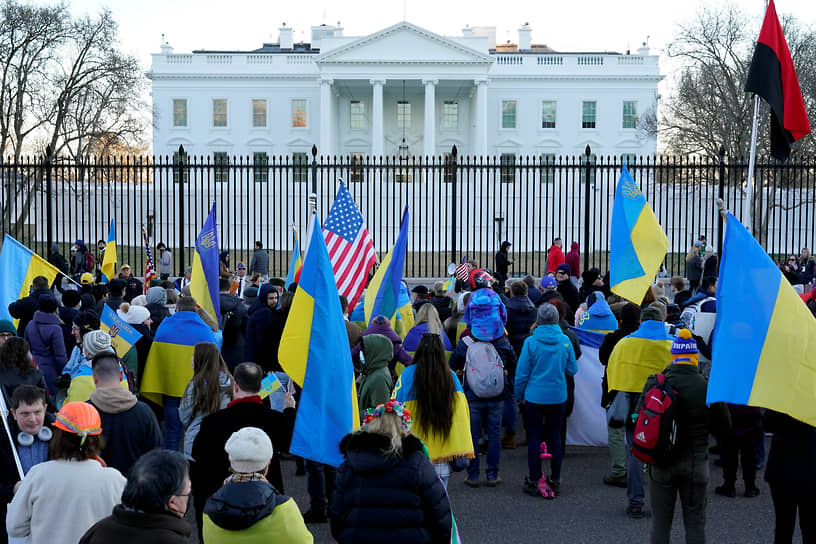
(586, 512)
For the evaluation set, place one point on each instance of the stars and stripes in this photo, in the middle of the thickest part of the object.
(350, 247)
(463, 270)
(150, 269)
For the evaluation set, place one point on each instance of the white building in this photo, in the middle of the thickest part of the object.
(367, 95)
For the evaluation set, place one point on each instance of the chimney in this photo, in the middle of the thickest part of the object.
(467, 32)
(524, 37)
(287, 37)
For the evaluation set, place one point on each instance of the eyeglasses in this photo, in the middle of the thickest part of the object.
(5, 335)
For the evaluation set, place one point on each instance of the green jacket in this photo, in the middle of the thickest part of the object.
(376, 384)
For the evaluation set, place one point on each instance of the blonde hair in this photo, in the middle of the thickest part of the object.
(388, 424)
(428, 313)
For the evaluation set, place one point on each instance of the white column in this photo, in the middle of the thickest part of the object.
(325, 117)
(430, 117)
(377, 118)
(481, 118)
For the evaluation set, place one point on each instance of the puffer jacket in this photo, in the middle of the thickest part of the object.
(381, 498)
(44, 335)
(521, 315)
(546, 359)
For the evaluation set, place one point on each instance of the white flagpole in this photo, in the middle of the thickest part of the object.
(747, 205)
(4, 412)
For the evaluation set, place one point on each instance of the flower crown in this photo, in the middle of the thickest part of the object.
(391, 407)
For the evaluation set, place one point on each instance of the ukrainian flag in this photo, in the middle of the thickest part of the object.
(637, 242)
(646, 351)
(764, 341)
(315, 353)
(404, 319)
(204, 277)
(18, 268)
(295, 263)
(168, 370)
(123, 336)
(383, 292)
(458, 443)
(109, 259)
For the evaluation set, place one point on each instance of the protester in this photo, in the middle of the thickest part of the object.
(157, 306)
(385, 463)
(133, 286)
(141, 320)
(233, 324)
(184, 281)
(82, 382)
(427, 320)
(224, 265)
(694, 265)
(806, 266)
(573, 260)
(569, 405)
(17, 368)
(375, 383)
(24, 308)
(740, 443)
(153, 505)
(60, 499)
(382, 325)
(567, 290)
(259, 346)
(260, 261)
(441, 301)
(7, 330)
(555, 256)
(165, 261)
(452, 324)
(55, 258)
(503, 262)
(67, 312)
(44, 335)
(248, 508)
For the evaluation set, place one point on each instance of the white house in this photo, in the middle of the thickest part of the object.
(402, 86)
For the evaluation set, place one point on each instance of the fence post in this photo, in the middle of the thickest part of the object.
(182, 178)
(721, 196)
(314, 170)
(454, 199)
(49, 204)
(587, 172)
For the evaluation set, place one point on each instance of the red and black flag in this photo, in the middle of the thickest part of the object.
(772, 76)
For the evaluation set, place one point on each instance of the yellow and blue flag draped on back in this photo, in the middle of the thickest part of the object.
(458, 443)
(18, 268)
(168, 369)
(314, 352)
(645, 351)
(404, 318)
(295, 262)
(637, 242)
(204, 277)
(382, 294)
(109, 259)
(764, 341)
(123, 336)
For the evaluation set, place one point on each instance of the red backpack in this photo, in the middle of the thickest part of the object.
(656, 427)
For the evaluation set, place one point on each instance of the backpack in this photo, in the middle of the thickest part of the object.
(229, 327)
(89, 261)
(656, 426)
(484, 369)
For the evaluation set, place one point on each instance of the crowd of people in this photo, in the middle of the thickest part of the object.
(174, 440)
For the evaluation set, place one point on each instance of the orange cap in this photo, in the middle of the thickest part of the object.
(79, 418)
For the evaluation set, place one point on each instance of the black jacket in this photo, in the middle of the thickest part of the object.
(234, 327)
(443, 307)
(570, 294)
(133, 288)
(24, 309)
(380, 498)
(791, 462)
(131, 527)
(521, 314)
(158, 312)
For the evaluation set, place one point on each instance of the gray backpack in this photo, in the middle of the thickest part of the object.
(484, 369)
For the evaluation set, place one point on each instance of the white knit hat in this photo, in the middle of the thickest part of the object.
(132, 314)
(95, 342)
(249, 450)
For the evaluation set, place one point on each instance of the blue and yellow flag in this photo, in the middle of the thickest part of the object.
(404, 318)
(382, 294)
(269, 385)
(459, 442)
(295, 263)
(646, 351)
(314, 352)
(109, 259)
(18, 267)
(637, 244)
(764, 341)
(168, 369)
(123, 336)
(204, 278)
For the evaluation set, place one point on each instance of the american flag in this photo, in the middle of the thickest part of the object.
(351, 249)
(150, 269)
(463, 270)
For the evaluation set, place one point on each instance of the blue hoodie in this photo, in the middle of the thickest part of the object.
(546, 359)
(599, 316)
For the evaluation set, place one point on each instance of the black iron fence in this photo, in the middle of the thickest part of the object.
(460, 206)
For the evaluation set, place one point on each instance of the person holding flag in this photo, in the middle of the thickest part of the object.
(383, 292)
(206, 268)
(108, 268)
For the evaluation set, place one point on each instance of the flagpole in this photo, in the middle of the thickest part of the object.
(747, 205)
(4, 412)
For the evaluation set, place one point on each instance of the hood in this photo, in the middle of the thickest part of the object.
(385, 330)
(46, 318)
(520, 304)
(549, 335)
(378, 351)
(599, 316)
(156, 295)
(240, 505)
(260, 302)
(364, 452)
(113, 400)
(574, 246)
(486, 315)
(505, 245)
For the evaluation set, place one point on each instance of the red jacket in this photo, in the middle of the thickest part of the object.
(555, 258)
(574, 260)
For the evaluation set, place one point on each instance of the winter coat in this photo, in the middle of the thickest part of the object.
(158, 312)
(132, 527)
(791, 463)
(259, 262)
(10, 379)
(67, 316)
(192, 421)
(234, 329)
(166, 262)
(133, 287)
(128, 425)
(44, 335)
(555, 258)
(253, 513)
(382, 498)
(806, 271)
(399, 352)
(694, 268)
(443, 307)
(459, 358)
(599, 316)
(570, 294)
(415, 335)
(24, 309)
(521, 315)
(375, 384)
(263, 331)
(56, 259)
(573, 260)
(546, 359)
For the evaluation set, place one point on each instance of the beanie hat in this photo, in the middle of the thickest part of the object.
(96, 342)
(547, 314)
(116, 286)
(563, 268)
(548, 282)
(684, 349)
(630, 315)
(86, 321)
(86, 278)
(132, 314)
(79, 418)
(7, 326)
(47, 304)
(156, 295)
(486, 315)
(652, 313)
(70, 298)
(249, 450)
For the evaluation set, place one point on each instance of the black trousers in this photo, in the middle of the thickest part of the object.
(786, 502)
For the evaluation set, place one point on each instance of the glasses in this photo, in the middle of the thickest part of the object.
(5, 335)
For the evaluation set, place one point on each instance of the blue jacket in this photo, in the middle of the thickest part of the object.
(546, 359)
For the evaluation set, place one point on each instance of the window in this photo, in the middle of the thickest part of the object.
(508, 114)
(450, 114)
(593, 159)
(629, 114)
(219, 113)
(356, 170)
(178, 160)
(180, 112)
(548, 114)
(588, 117)
(259, 113)
(548, 167)
(299, 113)
(508, 170)
(300, 172)
(357, 115)
(221, 162)
(403, 114)
(260, 163)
